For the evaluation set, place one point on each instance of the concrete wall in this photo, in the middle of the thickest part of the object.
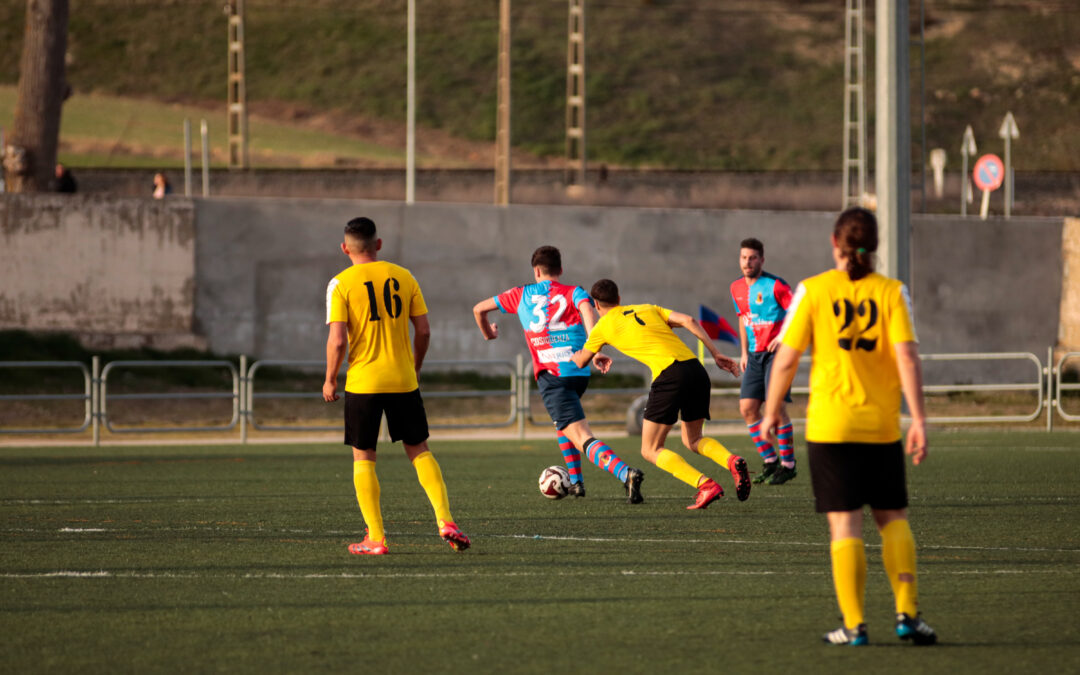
(99, 266)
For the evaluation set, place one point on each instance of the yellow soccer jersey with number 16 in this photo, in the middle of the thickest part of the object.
(375, 300)
(853, 327)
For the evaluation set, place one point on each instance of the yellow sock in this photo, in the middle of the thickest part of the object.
(367, 495)
(678, 467)
(849, 578)
(430, 477)
(714, 450)
(898, 552)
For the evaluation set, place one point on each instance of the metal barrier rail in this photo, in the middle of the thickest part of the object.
(87, 395)
(1038, 387)
(235, 395)
(249, 410)
(1064, 386)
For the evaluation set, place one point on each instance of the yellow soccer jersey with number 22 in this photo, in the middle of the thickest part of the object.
(854, 327)
(376, 300)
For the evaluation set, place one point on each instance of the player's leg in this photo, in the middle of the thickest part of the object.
(562, 399)
(713, 449)
(600, 454)
(572, 458)
(406, 420)
(363, 414)
(751, 395)
(785, 437)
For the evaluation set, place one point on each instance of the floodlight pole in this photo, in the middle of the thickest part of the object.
(410, 107)
(502, 114)
(892, 161)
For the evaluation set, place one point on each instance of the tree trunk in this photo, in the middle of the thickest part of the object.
(30, 154)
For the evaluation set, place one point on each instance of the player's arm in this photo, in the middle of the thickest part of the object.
(744, 344)
(489, 330)
(784, 366)
(421, 338)
(583, 357)
(337, 344)
(911, 383)
(680, 320)
(782, 294)
(588, 318)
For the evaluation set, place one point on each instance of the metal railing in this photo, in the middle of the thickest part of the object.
(1047, 386)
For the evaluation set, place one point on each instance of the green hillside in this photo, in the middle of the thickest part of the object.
(718, 84)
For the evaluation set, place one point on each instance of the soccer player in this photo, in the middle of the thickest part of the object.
(680, 385)
(369, 307)
(761, 301)
(556, 319)
(865, 353)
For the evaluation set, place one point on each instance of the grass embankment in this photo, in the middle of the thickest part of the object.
(740, 86)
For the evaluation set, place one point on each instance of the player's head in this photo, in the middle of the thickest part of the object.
(854, 239)
(361, 237)
(548, 259)
(751, 257)
(605, 292)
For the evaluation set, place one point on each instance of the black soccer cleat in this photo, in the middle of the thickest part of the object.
(633, 486)
(915, 629)
(782, 475)
(852, 637)
(767, 470)
(576, 489)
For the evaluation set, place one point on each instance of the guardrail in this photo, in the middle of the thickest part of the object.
(1047, 385)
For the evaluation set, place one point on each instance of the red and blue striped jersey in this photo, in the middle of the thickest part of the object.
(548, 312)
(761, 306)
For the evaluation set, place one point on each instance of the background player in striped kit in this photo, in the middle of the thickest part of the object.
(556, 319)
(761, 301)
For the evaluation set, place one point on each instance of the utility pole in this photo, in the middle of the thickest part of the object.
(854, 104)
(502, 111)
(237, 107)
(410, 104)
(575, 99)
(892, 160)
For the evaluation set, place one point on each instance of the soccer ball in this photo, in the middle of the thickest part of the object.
(554, 482)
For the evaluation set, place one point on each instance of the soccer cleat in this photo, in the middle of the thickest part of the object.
(707, 493)
(453, 536)
(767, 470)
(782, 475)
(633, 486)
(576, 490)
(853, 637)
(369, 547)
(737, 467)
(914, 629)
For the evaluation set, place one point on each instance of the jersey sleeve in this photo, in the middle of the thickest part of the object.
(798, 325)
(901, 326)
(664, 312)
(782, 293)
(580, 296)
(509, 300)
(417, 306)
(734, 301)
(336, 307)
(598, 337)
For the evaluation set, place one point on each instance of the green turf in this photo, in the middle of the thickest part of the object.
(232, 559)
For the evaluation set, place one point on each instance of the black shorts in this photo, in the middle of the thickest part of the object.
(755, 379)
(405, 418)
(846, 476)
(562, 397)
(683, 388)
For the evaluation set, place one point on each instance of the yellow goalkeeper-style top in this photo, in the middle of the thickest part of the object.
(642, 333)
(376, 300)
(854, 327)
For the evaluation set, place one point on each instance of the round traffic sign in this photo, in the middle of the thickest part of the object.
(989, 172)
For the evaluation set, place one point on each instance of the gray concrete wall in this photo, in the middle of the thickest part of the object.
(98, 266)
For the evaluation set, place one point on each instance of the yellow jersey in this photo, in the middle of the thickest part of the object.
(642, 333)
(854, 327)
(376, 300)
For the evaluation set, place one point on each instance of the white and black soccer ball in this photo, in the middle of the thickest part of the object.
(555, 482)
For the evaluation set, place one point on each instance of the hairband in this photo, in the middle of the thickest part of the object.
(860, 250)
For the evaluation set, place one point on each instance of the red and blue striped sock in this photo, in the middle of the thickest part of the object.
(764, 448)
(571, 456)
(786, 436)
(602, 456)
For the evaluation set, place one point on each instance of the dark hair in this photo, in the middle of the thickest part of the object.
(548, 258)
(856, 235)
(754, 244)
(606, 292)
(362, 229)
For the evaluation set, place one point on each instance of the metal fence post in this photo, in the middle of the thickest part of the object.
(95, 398)
(1050, 400)
(523, 395)
(243, 399)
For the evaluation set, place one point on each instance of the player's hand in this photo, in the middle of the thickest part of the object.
(743, 360)
(492, 332)
(602, 362)
(774, 343)
(329, 392)
(727, 363)
(916, 442)
(768, 426)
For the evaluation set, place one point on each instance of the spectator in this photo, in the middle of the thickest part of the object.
(162, 186)
(65, 182)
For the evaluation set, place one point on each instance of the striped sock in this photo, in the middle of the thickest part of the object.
(786, 437)
(571, 456)
(764, 447)
(602, 456)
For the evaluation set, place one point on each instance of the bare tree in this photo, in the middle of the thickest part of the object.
(30, 154)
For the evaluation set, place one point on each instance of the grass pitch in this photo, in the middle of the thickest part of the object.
(229, 558)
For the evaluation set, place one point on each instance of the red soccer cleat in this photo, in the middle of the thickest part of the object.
(369, 547)
(707, 493)
(453, 536)
(737, 467)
